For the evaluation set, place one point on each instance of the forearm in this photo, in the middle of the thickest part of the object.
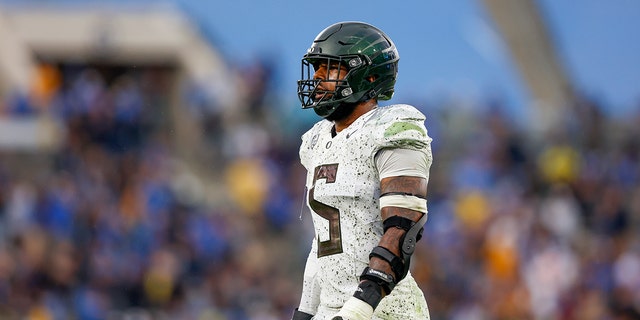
(402, 211)
(390, 241)
(393, 237)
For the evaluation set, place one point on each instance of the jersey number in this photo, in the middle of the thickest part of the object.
(334, 244)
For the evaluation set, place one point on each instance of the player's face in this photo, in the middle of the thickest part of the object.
(329, 74)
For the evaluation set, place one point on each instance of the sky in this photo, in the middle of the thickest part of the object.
(447, 48)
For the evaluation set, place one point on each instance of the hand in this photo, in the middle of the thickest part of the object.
(354, 309)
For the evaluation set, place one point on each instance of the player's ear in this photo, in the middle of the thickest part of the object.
(371, 78)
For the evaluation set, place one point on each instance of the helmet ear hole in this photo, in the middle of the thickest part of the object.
(372, 78)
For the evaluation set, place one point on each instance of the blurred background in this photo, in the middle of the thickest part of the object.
(149, 170)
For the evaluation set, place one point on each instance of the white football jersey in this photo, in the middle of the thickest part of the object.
(343, 189)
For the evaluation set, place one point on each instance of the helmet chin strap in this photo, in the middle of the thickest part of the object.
(344, 109)
(325, 111)
(341, 111)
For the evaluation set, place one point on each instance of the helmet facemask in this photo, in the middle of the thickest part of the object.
(323, 101)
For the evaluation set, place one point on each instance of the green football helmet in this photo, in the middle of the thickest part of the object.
(365, 51)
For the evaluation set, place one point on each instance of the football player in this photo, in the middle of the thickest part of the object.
(367, 173)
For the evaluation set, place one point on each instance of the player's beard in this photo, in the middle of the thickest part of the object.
(342, 112)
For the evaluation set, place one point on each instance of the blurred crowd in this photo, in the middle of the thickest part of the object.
(534, 226)
(521, 225)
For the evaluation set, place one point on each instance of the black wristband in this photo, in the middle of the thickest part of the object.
(396, 263)
(299, 315)
(369, 292)
(382, 279)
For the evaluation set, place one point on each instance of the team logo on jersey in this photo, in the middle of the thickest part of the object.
(314, 140)
(352, 132)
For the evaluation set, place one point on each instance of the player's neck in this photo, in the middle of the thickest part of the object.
(359, 110)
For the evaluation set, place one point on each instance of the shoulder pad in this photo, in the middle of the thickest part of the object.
(315, 130)
(309, 138)
(400, 126)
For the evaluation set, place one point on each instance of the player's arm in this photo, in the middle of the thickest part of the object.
(403, 205)
(403, 209)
